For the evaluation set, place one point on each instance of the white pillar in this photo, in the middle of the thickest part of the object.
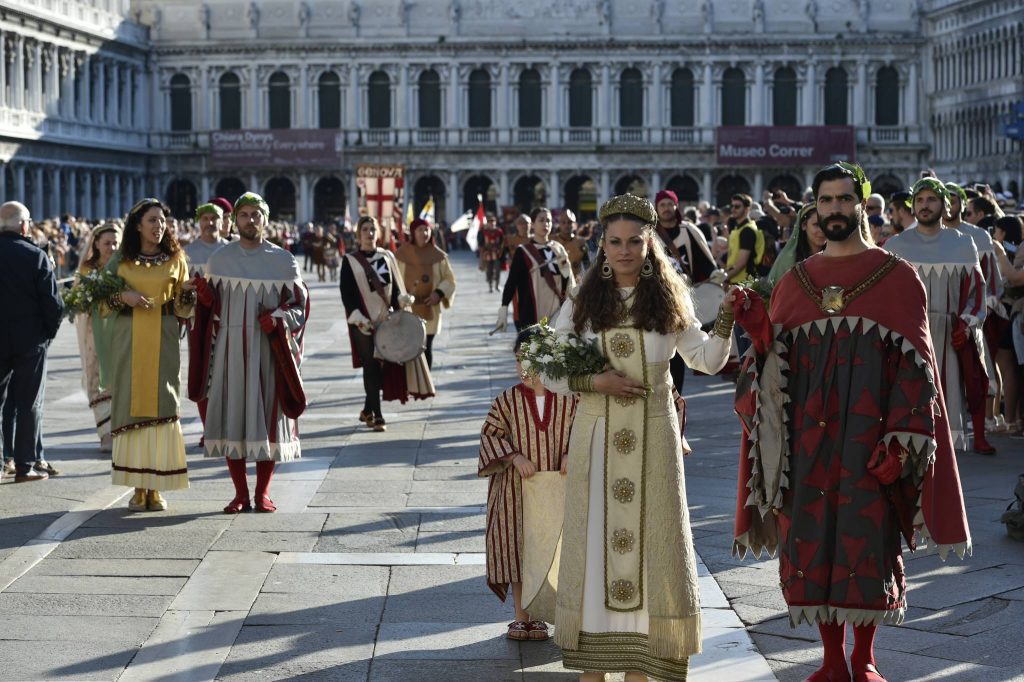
(3, 72)
(19, 183)
(758, 184)
(656, 185)
(352, 105)
(809, 114)
(304, 206)
(88, 200)
(36, 77)
(402, 98)
(452, 202)
(204, 118)
(706, 190)
(101, 86)
(72, 206)
(605, 107)
(454, 101)
(504, 98)
(353, 200)
(253, 120)
(101, 208)
(757, 98)
(554, 97)
(910, 115)
(85, 104)
(204, 188)
(860, 90)
(707, 96)
(555, 198)
(58, 195)
(38, 207)
(653, 113)
(606, 186)
(116, 210)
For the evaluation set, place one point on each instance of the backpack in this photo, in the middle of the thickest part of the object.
(1013, 517)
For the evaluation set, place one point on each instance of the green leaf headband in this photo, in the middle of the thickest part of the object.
(209, 208)
(857, 173)
(252, 199)
(960, 192)
(934, 185)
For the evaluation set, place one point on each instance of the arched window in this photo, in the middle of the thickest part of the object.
(430, 99)
(682, 98)
(379, 100)
(887, 97)
(529, 99)
(784, 97)
(280, 97)
(479, 99)
(230, 102)
(836, 97)
(329, 96)
(734, 98)
(581, 99)
(181, 102)
(631, 99)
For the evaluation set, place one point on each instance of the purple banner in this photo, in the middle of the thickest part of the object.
(245, 149)
(784, 145)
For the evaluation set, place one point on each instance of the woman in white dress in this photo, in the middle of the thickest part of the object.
(627, 581)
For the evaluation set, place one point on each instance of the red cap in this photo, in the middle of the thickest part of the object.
(666, 194)
(224, 204)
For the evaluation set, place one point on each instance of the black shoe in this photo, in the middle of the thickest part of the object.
(46, 468)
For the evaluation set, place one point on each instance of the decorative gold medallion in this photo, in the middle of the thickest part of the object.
(625, 441)
(622, 345)
(623, 490)
(832, 300)
(622, 590)
(625, 401)
(622, 541)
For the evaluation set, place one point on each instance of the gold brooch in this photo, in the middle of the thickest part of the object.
(622, 345)
(623, 490)
(622, 590)
(625, 441)
(832, 300)
(625, 401)
(622, 541)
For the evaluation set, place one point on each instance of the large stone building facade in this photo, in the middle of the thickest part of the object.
(523, 103)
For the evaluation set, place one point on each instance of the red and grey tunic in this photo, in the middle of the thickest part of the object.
(846, 445)
(516, 425)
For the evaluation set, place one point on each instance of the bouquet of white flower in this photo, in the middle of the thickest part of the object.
(90, 291)
(559, 357)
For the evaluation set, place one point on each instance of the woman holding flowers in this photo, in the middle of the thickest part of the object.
(149, 450)
(627, 581)
(92, 337)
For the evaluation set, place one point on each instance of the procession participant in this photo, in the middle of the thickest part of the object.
(144, 357)
(947, 262)
(627, 579)
(93, 338)
(428, 276)
(901, 215)
(687, 247)
(371, 287)
(539, 278)
(513, 242)
(227, 226)
(253, 308)
(318, 246)
(574, 245)
(526, 431)
(845, 441)
(807, 239)
(491, 249)
(746, 242)
(209, 217)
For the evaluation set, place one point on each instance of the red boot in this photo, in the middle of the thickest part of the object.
(981, 445)
(236, 467)
(264, 472)
(863, 658)
(833, 642)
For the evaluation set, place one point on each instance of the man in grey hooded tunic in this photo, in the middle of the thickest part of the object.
(252, 311)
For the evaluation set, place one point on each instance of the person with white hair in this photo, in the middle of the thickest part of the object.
(28, 322)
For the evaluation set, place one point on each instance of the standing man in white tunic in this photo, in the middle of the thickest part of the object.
(253, 307)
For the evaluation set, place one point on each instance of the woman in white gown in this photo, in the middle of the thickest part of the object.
(627, 581)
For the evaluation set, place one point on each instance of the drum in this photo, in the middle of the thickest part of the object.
(401, 337)
(707, 298)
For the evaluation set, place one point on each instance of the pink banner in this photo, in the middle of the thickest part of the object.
(278, 148)
(784, 145)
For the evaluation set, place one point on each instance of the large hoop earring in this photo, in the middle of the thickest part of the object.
(606, 270)
(647, 270)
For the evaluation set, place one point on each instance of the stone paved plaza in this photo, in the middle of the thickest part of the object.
(372, 569)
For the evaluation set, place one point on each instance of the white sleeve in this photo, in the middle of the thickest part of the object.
(704, 353)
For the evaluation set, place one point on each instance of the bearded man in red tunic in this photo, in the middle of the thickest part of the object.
(846, 450)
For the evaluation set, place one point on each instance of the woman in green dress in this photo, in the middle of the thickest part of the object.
(149, 450)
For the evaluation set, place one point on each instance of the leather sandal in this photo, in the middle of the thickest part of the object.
(378, 424)
(518, 630)
(265, 505)
(538, 630)
(238, 506)
(366, 417)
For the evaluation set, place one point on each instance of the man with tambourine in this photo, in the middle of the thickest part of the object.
(387, 340)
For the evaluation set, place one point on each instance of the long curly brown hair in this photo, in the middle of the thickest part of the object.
(663, 302)
(131, 243)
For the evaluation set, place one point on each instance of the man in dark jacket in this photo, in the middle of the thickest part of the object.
(29, 320)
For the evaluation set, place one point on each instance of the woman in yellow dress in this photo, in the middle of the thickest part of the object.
(92, 340)
(428, 276)
(149, 450)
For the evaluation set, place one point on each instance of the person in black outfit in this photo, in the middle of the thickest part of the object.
(29, 320)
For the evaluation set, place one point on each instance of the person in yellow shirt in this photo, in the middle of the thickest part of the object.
(744, 239)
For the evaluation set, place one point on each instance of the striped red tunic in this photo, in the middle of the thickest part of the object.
(513, 426)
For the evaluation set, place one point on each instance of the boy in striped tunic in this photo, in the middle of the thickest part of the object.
(526, 431)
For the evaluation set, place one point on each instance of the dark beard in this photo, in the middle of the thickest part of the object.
(840, 234)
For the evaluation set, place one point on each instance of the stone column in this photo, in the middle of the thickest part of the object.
(910, 111)
(4, 47)
(809, 115)
(758, 184)
(60, 204)
(253, 119)
(19, 183)
(87, 206)
(554, 190)
(38, 206)
(554, 121)
(35, 84)
(707, 96)
(304, 205)
(204, 119)
(100, 207)
(204, 188)
(352, 103)
(757, 98)
(452, 200)
(653, 113)
(101, 85)
(402, 98)
(3, 165)
(706, 189)
(606, 186)
(116, 209)
(453, 97)
(72, 206)
(503, 189)
(504, 98)
(860, 89)
(18, 74)
(353, 197)
(66, 63)
(605, 106)
(83, 106)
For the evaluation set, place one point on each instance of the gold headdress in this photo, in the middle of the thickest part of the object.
(629, 204)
